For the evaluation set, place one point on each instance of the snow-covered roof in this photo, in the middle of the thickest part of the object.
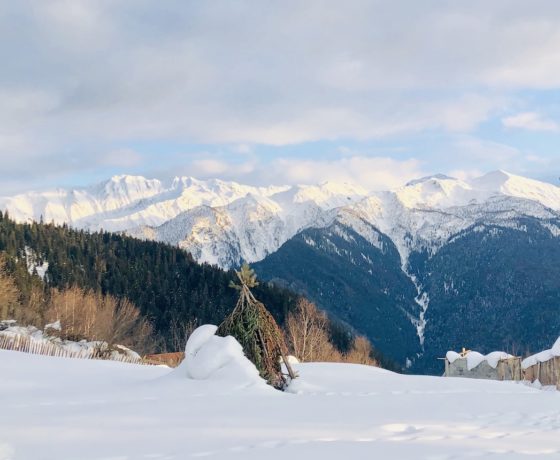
(543, 356)
(474, 358)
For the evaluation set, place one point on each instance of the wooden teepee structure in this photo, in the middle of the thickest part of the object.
(256, 330)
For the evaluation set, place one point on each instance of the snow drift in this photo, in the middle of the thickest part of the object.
(62, 409)
(210, 357)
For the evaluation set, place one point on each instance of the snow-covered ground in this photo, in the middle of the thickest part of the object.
(59, 408)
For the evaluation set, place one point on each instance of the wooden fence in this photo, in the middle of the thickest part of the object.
(547, 372)
(26, 344)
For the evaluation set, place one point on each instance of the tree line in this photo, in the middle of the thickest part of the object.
(166, 291)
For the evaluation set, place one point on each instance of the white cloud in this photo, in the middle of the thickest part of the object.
(122, 158)
(530, 121)
(373, 173)
(492, 154)
(465, 174)
(539, 160)
(209, 167)
(243, 149)
(279, 73)
(221, 168)
(85, 76)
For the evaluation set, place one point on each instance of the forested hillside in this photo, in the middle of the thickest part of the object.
(493, 288)
(354, 280)
(171, 290)
(489, 287)
(167, 285)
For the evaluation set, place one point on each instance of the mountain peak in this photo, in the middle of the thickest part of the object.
(505, 183)
(428, 178)
(493, 180)
(128, 179)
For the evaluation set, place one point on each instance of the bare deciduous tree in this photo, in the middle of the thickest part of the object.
(307, 334)
(9, 294)
(179, 332)
(33, 307)
(308, 337)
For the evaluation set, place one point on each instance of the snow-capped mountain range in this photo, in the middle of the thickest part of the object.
(225, 223)
(417, 269)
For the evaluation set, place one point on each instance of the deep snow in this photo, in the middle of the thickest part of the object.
(57, 408)
(211, 357)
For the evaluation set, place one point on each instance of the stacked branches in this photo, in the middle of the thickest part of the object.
(255, 329)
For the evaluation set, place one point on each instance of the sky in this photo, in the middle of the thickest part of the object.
(277, 92)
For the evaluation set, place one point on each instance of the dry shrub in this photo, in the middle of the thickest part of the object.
(361, 352)
(308, 336)
(86, 315)
(307, 333)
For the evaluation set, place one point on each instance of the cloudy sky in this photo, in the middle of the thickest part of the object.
(375, 92)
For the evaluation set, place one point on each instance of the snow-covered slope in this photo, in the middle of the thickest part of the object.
(69, 409)
(225, 223)
(126, 202)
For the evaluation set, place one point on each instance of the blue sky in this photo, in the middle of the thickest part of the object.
(286, 91)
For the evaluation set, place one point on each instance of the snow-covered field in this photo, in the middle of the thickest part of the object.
(60, 408)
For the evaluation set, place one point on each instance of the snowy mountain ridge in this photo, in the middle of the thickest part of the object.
(225, 222)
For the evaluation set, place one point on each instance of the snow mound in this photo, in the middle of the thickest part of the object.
(543, 356)
(452, 356)
(475, 358)
(198, 338)
(211, 357)
(495, 357)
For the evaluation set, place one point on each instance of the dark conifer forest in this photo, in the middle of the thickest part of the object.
(164, 282)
